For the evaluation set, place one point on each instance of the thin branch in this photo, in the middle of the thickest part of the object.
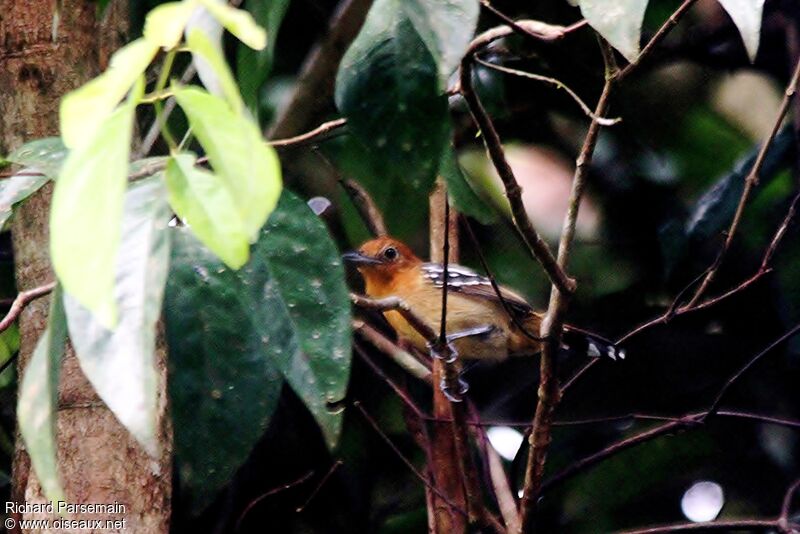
(553, 322)
(279, 489)
(529, 30)
(22, 300)
(657, 38)
(406, 461)
(603, 121)
(311, 135)
(336, 465)
(400, 392)
(155, 128)
(728, 525)
(786, 506)
(537, 246)
(365, 205)
(399, 305)
(749, 183)
(495, 286)
(404, 359)
(718, 399)
(615, 448)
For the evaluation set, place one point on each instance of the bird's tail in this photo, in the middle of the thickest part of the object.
(584, 342)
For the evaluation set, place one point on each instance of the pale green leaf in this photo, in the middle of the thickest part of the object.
(239, 22)
(248, 166)
(44, 155)
(165, 23)
(37, 404)
(84, 110)
(120, 363)
(618, 21)
(202, 200)
(211, 55)
(86, 213)
(746, 14)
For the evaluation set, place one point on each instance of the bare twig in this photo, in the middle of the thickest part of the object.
(537, 246)
(311, 135)
(786, 507)
(365, 205)
(531, 30)
(279, 489)
(727, 526)
(22, 300)
(752, 361)
(749, 183)
(399, 305)
(495, 286)
(603, 121)
(657, 38)
(336, 465)
(406, 461)
(403, 358)
(553, 322)
(314, 88)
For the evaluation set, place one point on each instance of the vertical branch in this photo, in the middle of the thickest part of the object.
(446, 470)
(537, 246)
(549, 390)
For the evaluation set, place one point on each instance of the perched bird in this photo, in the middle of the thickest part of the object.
(483, 322)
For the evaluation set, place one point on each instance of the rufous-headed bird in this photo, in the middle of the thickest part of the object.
(479, 325)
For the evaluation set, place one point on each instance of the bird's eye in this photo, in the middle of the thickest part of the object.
(390, 253)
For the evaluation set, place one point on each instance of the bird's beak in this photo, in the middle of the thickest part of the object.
(358, 258)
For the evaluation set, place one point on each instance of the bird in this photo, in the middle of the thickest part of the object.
(485, 321)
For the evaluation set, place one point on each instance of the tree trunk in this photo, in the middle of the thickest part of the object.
(43, 56)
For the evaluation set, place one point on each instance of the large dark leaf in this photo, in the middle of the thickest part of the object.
(223, 382)
(299, 269)
(120, 363)
(232, 334)
(715, 208)
(391, 81)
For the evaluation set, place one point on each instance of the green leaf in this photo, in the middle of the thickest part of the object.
(84, 110)
(38, 400)
(618, 21)
(43, 155)
(446, 27)
(120, 363)
(86, 213)
(253, 66)
(164, 24)
(389, 89)
(223, 381)
(202, 200)
(747, 14)
(304, 278)
(714, 210)
(9, 345)
(288, 307)
(460, 191)
(201, 46)
(240, 157)
(239, 22)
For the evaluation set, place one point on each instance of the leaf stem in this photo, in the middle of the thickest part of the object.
(166, 68)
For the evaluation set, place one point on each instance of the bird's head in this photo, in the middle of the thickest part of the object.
(379, 260)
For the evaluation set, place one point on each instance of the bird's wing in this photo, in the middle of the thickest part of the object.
(471, 284)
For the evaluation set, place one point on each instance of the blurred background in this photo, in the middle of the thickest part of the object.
(662, 189)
